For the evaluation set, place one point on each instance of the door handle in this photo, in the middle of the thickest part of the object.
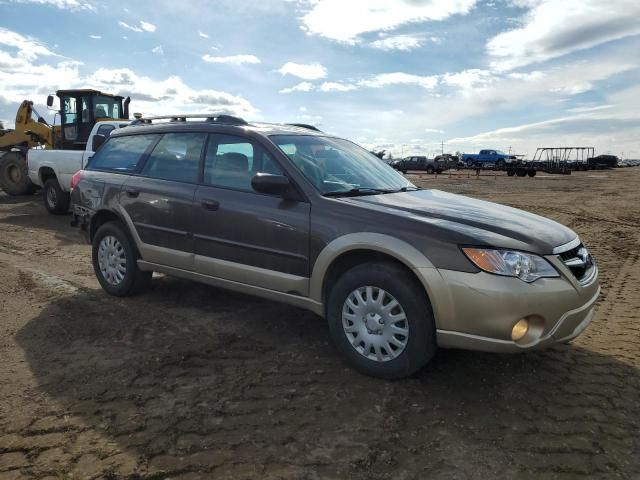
(132, 192)
(210, 204)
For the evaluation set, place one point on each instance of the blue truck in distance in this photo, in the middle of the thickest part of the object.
(488, 157)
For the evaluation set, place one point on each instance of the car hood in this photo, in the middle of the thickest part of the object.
(475, 221)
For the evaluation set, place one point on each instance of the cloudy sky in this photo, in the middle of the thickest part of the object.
(397, 74)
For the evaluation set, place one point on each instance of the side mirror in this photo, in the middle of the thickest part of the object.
(270, 184)
(50, 101)
(97, 142)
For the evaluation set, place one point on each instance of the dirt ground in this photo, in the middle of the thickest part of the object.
(188, 381)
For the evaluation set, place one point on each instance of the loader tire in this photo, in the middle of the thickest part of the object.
(14, 177)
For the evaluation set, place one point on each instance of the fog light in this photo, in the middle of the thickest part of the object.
(520, 329)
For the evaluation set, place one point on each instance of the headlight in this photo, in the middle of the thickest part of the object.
(525, 266)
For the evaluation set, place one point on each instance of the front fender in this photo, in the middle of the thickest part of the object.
(394, 247)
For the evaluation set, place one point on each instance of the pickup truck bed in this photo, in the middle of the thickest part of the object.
(52, 169)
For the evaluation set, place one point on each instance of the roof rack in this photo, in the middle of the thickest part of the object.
(305, 125)
(207, 118)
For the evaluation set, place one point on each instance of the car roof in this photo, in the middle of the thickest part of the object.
(258, 128)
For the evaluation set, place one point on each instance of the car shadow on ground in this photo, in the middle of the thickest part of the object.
(189, 378)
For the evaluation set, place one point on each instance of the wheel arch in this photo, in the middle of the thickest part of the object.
(103, 216)
(45, 173)
(352, 249)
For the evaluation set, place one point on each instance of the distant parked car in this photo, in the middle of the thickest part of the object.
(487, 157)
(423, 164)
(602, 161)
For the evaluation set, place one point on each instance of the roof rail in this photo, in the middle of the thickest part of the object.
(207, 118)
(305, 125)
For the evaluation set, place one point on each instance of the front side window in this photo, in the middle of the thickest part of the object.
(233, 161)
(334, 165)
(121, 154)
(176, 157)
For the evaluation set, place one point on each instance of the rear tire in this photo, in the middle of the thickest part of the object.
(14, 176)
(531, 173)
(511, 172)
(115, 264)
(56, 201)
(396, 355)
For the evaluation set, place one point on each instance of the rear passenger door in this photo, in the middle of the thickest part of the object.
(159, 199)
(245, 236)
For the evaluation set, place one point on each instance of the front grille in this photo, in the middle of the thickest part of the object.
(578, 261)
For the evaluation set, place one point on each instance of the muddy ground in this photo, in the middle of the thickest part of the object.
(188, 381)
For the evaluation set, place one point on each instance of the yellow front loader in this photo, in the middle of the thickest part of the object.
(79, 111)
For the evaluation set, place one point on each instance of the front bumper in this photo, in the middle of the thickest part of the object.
(477, 311)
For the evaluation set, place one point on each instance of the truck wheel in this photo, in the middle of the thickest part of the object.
(500, 164)
(531, 173)
(115, 262)
(511, 172)
(430, 170)
(56, 201)
(14, 176)
(380, 320)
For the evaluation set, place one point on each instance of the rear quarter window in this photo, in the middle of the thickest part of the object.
(121, 154)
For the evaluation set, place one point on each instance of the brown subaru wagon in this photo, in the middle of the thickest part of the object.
(292, 214)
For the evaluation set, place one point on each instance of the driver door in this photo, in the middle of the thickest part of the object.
(244, 236)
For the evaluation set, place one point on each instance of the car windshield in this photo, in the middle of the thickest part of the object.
(336, 166)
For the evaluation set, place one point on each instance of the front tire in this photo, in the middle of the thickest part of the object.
(56, 201)
(380, 320)
(115, 262)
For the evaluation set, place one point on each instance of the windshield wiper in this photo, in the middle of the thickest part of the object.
(354, 192)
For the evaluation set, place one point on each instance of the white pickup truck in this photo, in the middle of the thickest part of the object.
(52, 169)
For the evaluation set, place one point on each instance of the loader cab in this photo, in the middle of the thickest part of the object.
(81, 109)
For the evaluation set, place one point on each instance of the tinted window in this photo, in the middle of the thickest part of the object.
(105, 130)
(176, 157)
(233, 161)
(121, 153)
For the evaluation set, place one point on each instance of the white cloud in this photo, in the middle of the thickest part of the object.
(336, 87)
(400, 78)
(590, 109)
(403, 43)
(147, 27)
(345, 21)
(24, 76)
(202, 34)
(467, 79)
(552, 29)
(95, 37)
(433, 130)
(73, 5)
(300, 87)
(27, 47)
(231, 59)
(158, 50)
(141, 27)
(306, 71)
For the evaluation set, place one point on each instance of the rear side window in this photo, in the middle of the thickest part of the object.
(176, 157)
(121, 154)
